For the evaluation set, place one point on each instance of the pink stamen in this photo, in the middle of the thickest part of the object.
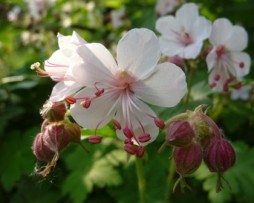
(95, 139)
(117, 125)
(220, 51)
(144, 137)
(217, 77)
(140, 151)
(86, 103)
(213, 85)
(70, 100)
(241, 64)
(99, 92)
(159, 123)
(128, 132)
(238, 86)
(130, 148)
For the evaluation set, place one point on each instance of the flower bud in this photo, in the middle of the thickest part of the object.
(219, 155)
(40, 150)
(188, 159)
(180, 134)
(53, 111)
(73, 131)
(56, 137)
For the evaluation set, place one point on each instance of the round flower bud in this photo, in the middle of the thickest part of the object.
(73, 131)
(180, 134)
(219, 155)
(56, 137)
(53, 111)
(41, 150)
(188, 159)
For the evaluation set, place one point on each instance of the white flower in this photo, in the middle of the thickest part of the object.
(166, 6)
(118, 90)
(183, 34)
(58, 67)
(226, 59)
(242, 93)
(116, 17)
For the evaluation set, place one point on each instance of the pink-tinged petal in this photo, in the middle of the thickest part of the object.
(164, 88)
(192, 51)
(61, 91)
(201, 29)
(100, 112)
(238, 39)
(169, 27)
(138, 52)
(94, 64)
(211, 59)
(137, 117)
(241, 63)
(57, 65)
(221, 31)
(186, 15)
(169, 47)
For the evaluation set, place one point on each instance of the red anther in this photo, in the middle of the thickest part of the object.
(128, 133)
(140, 151)
(159, 123)
(217, 77)
(128, 141)
(144, 137)
(117, 125)
(95, 139)
(238, 85)
(99, 92)
(70, 100)
(86, 103)
(130, 148)
(212, 85)
(220, 51)
(241, 64)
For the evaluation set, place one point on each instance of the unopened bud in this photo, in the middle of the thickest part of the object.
(95, 139)
(53, 111)
(73, 131)
(219, 155)
(180, 134)
(188, 159)
(41, 150)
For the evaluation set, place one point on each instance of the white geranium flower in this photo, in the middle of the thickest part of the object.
(226, 59)
(183, 35)
(118, 90)
(166, 6)
(242, 93)
(58, 67)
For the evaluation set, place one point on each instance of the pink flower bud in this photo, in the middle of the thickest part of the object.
(219, 155)
(188, 159)
(180, 134)
(53, 111)
(95, 139)
(40, 150)
(56, 137)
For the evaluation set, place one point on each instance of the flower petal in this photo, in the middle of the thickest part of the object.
(137, 116)
(241, 58)
(164, 88)
(61, 90)
(94, 64)
(138, 52)
(221, 31)
(238, 39)
(186, 15)
(100, 112)
(169, 47)
(192, 51)
(211, 59)
(201, 29)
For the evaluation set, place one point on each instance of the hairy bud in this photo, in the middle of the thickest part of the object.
(180, 134)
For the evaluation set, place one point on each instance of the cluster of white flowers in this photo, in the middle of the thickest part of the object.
(182, 35)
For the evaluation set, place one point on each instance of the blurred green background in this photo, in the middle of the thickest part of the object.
(105, 175)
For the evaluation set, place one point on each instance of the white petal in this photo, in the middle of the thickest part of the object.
(201, 29)
(138, 52)
(187, 15)
(170, 48)
(192, 51)
(61, 91)
(95, 64)
(221, 31)
(137, 117)
(241, 57)
(76, 39)
(211, 59)
(57, 65)
(169, 27)
(238, 39)
(100, 112)
(164, 88)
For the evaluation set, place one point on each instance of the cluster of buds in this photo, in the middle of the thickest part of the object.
(56, 133)
(196, 137)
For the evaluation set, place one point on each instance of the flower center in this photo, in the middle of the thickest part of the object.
(220, 51)
(186, 39)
